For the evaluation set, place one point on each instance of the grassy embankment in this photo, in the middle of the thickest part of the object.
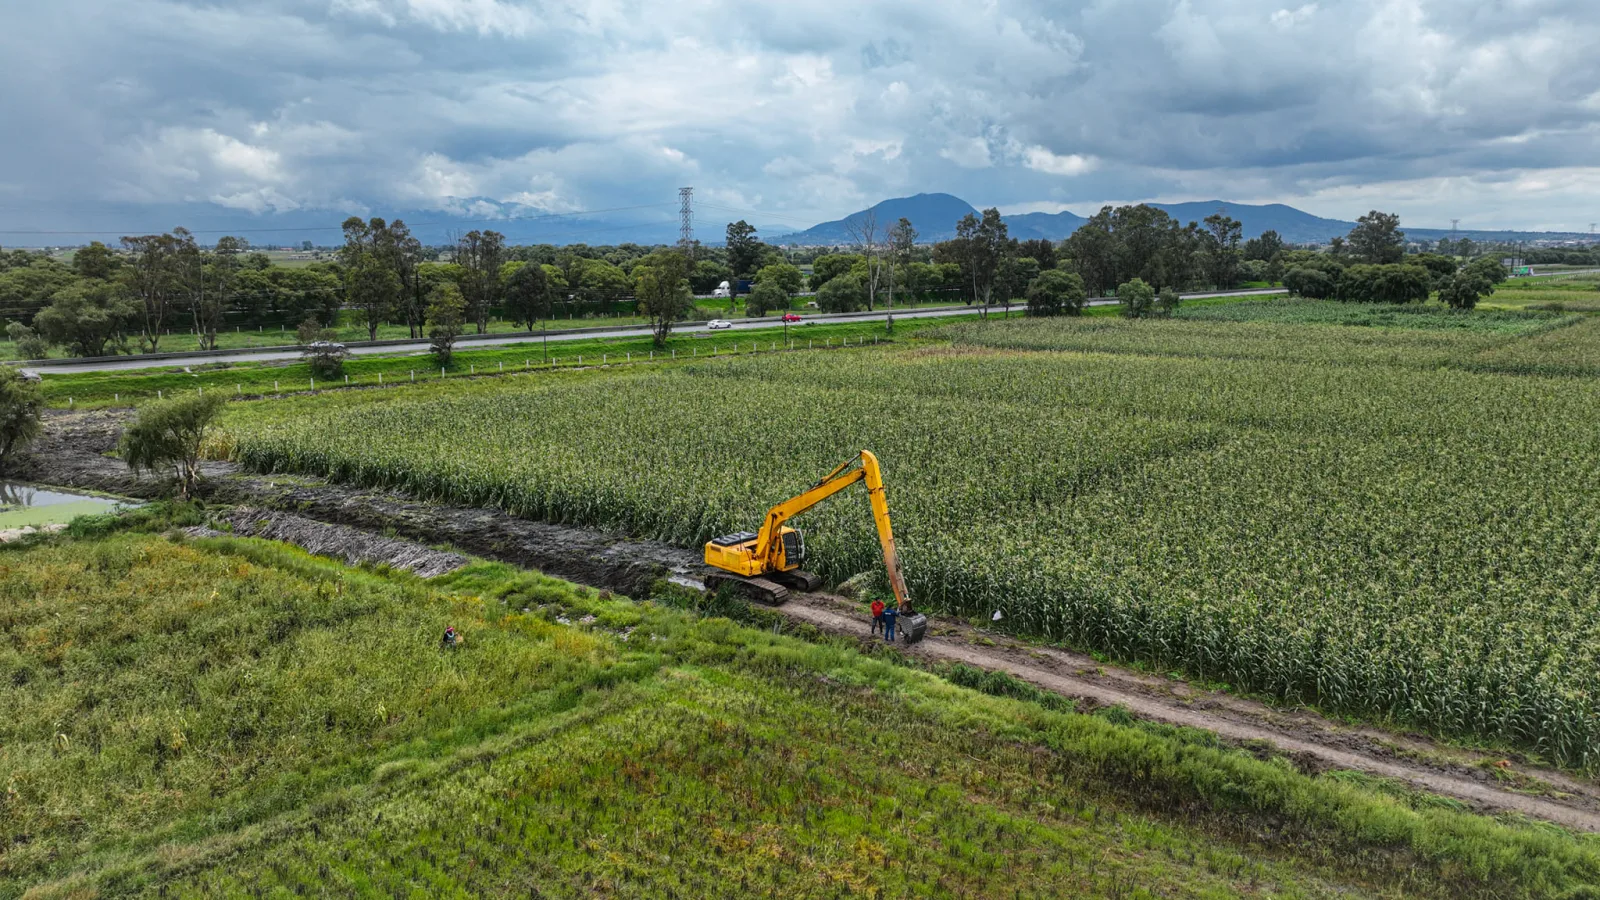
(127, 387)
(228, 717)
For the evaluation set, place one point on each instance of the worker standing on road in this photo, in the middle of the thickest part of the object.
(889, 614)
(877, 616)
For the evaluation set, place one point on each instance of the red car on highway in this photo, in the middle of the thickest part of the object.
(790, 317)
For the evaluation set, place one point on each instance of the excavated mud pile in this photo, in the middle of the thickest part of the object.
(352, 545)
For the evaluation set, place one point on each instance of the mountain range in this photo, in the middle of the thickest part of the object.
(933, 215)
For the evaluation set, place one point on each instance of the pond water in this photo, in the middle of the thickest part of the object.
(25, 504)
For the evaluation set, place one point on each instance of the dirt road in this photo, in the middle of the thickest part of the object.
(72, 454)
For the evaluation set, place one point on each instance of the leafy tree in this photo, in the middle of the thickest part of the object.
(661, 284)
(1275, 269)
(446, 311)
(1168, 301)
(744, 250)
(598, 282)
(1489, 269)
(29, 280)
(1265, 247)
(96, 261)
(480, 255)
(981, 244)
(844, 293)
(170, 433)
(1377, 238)
(1313, 284)
(766, 297)
(88, 317)
(1013, 277)
(785, 276)
(1056, 292)
(29, 344)
(21, 413)
(1441, 268)
(404, 252)
(829, 266)
(1039, 249)
(372, 287)
(1384, 284)
(156, 279)
(528, 294)
(209, 292)
(1465, 289)
(1221, 239)
(902, 245)
(1137, 299)
(707, 275)
(1093, 249)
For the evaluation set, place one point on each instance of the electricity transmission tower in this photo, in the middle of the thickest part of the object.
(686, 220)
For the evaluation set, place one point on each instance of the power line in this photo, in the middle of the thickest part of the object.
(541, 217)
(756, 212)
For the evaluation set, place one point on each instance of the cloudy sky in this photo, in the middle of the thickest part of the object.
(1482, 110)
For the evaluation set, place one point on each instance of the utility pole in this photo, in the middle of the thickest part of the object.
(686, 222)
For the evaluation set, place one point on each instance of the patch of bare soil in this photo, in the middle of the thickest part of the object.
(354, 546)
(72, 454)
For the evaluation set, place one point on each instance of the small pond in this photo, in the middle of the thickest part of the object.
(25, 504)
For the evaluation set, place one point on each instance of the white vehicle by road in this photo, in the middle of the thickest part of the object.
(718, 324)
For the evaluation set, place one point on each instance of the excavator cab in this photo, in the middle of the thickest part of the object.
(736, 552)
(765, 565)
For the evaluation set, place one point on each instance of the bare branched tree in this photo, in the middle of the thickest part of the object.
(868, 240)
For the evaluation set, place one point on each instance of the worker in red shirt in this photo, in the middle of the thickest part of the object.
(877, 616)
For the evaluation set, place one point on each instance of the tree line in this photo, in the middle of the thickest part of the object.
(126, 299)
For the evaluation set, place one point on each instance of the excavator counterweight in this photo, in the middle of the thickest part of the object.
(765, 565)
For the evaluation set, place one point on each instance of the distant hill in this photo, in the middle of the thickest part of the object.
(1291, 224)
(1052, 227)
(933, 215)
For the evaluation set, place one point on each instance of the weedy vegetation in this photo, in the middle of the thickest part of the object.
(228, 717)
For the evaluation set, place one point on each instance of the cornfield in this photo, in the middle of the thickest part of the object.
(1279, 511)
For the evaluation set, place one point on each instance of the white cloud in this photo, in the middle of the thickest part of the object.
(1042, 160)
(968, 153)
(285, 104)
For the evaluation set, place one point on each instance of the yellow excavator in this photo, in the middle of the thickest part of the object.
(766, 566)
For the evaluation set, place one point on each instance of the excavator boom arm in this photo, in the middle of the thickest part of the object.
(840, 478)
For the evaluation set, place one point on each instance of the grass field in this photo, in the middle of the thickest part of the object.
(1341, 516)
(132, 386)
(228, 717)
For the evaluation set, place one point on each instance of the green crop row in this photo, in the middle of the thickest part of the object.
(1407, 541)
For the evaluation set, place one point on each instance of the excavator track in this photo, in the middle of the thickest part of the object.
(758, 589)
(797, 580)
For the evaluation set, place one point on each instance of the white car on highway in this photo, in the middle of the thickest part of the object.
(718, 324)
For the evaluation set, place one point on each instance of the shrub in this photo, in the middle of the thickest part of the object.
(446, 311)
(21, 404)
(30, 345)
(1056, 293)
(169, 433)
(1138, 299)
(1168, 301)
(766, 297)
(844, 293)
(1313, 284)
(320, 349)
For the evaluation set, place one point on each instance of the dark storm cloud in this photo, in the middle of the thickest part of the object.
(805, 113)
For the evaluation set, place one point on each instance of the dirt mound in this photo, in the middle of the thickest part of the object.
(352, 545)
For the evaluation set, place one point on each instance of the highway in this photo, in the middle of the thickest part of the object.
(471, 342)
